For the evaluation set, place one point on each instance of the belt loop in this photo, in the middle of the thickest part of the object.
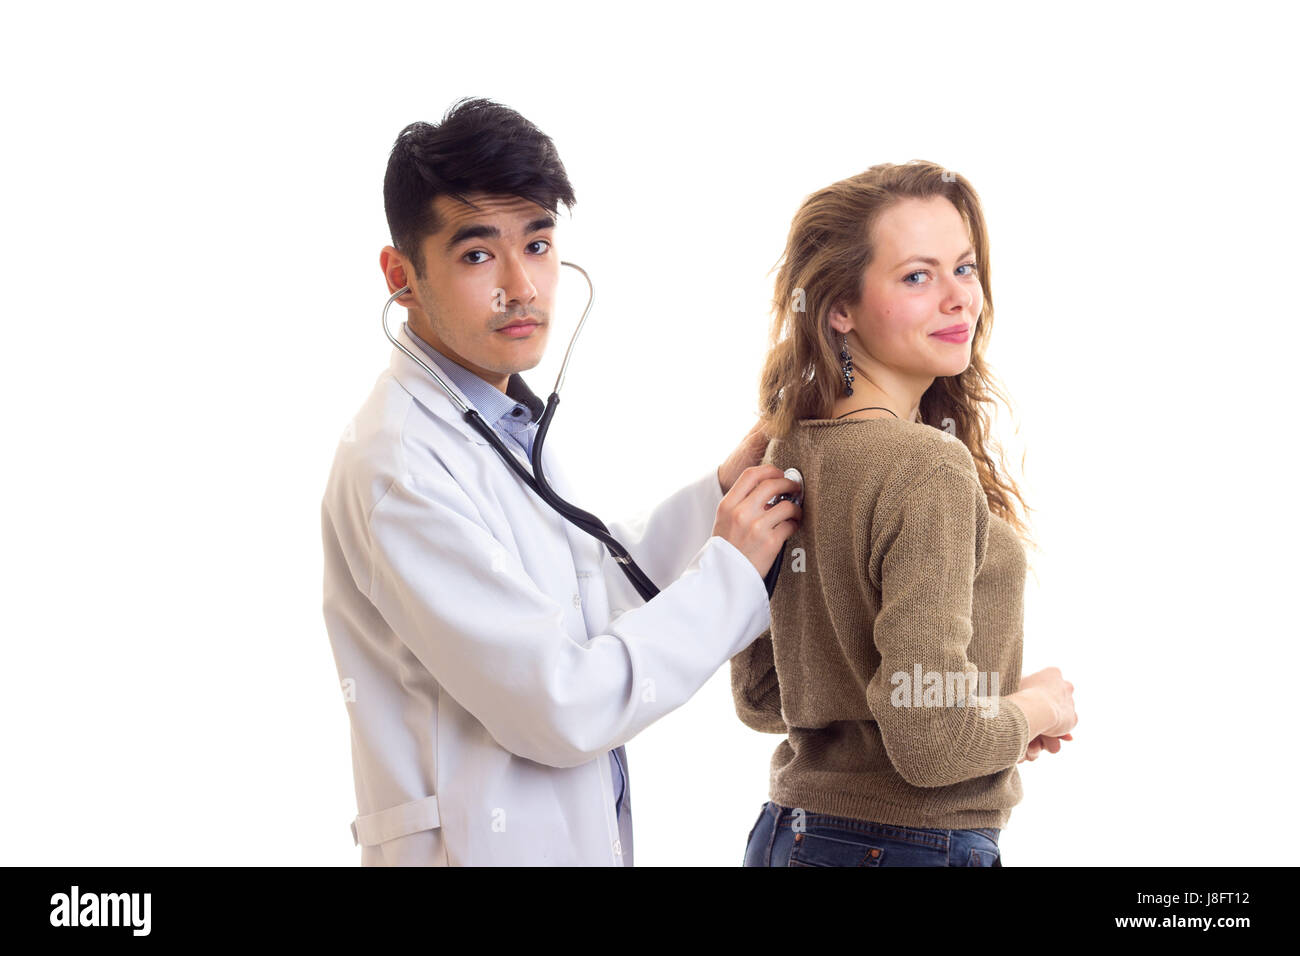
(777, 811)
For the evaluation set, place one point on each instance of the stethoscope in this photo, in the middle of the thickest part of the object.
(585, 520)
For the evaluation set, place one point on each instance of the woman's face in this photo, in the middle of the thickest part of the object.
(922, 280)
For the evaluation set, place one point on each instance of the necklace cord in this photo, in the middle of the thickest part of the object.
(867, 409)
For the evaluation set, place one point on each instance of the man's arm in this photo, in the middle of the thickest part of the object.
(663, 542)
(467, 610)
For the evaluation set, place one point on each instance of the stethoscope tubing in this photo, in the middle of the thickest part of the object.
(584, 520)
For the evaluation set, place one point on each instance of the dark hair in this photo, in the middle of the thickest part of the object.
(479, 147)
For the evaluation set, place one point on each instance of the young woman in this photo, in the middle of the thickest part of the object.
(893, 660)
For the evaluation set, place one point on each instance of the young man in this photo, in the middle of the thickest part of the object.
(493, 657)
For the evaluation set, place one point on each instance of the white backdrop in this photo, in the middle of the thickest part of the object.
(191, 293)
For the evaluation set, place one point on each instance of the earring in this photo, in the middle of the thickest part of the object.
(847, 362)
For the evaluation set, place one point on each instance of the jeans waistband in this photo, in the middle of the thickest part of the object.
(784, 816)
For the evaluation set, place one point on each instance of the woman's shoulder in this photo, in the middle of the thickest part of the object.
(892, 454)
(868, 474)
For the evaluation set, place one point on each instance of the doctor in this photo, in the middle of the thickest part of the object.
(493, 658)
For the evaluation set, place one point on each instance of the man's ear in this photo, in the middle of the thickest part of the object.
(396, 271)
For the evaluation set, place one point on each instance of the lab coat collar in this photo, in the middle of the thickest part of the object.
(422, 387)
(496, 407)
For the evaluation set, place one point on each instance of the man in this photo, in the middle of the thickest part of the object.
(494, 658)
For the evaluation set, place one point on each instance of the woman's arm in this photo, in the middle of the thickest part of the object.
(754, 687)
(926, 548)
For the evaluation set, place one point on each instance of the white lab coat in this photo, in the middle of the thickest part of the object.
(490, 653)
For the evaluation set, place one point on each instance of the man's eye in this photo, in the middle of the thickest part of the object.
(476, 252)
(542, 242)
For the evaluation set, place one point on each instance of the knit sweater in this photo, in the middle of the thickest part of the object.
(899, 604)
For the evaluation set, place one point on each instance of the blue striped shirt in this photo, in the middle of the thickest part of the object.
(514, 414)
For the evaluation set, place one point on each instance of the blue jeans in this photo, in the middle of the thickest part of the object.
(782, 837)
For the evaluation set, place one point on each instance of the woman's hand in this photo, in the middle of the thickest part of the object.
(1043, 742)
(1047, 699)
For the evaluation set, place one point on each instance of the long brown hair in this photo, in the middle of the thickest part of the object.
(826, 255)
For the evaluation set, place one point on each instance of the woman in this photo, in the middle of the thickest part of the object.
(893, 660)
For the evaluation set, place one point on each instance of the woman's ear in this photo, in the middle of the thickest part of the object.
(839, 319)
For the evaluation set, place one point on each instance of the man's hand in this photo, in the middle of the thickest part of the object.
(748, 453)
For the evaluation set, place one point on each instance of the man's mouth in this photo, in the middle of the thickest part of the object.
(520, 328)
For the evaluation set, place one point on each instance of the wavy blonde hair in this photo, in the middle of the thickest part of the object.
(826, 254)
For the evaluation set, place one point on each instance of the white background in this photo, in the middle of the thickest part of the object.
(192, 220)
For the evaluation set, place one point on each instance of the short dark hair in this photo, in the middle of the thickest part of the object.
(479, 147)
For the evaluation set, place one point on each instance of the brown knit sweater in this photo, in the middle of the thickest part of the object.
(898, 584)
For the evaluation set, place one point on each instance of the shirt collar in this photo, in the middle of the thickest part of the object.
(517, 403)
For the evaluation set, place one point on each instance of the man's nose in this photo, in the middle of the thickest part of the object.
(516, 284)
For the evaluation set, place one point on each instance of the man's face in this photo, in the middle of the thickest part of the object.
(485, 269)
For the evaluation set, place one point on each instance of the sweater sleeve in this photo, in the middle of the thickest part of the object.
(927, 550)
(754, 687)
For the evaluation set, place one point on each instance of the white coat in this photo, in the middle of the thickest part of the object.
(491, 653)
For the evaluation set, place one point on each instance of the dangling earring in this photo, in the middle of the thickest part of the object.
(847, 362)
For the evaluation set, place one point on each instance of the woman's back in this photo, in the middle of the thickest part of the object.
(897, 623)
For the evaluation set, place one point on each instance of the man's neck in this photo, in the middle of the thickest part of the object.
(496, 380)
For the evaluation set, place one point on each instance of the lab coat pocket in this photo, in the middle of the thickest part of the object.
(401, 835)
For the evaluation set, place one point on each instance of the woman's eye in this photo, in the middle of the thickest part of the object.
(541, 242)
(967, 265)
(476, 252)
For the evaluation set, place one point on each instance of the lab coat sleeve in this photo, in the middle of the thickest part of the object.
(466, 609)
(755, 689)
(663, 542)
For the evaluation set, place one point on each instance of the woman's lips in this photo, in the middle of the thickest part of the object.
(958, 335)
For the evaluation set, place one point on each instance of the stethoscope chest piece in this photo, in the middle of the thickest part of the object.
(794, 475)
